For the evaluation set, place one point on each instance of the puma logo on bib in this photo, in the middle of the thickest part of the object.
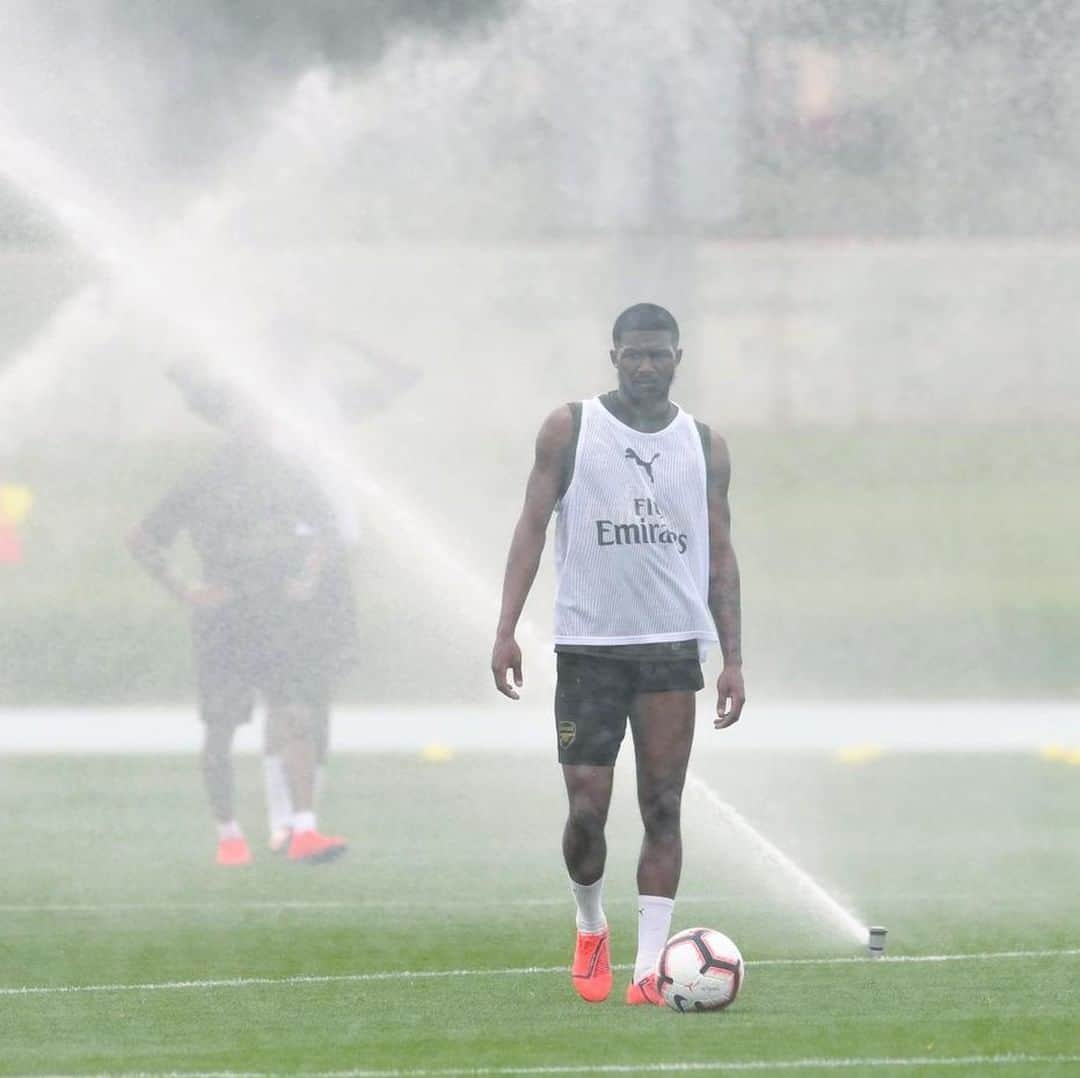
(646, 464)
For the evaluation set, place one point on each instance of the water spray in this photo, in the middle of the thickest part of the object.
(220, 328)
(816, 895)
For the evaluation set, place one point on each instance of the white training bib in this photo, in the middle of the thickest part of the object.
(632, 535)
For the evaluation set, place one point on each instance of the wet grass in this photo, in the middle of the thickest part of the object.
(455, 866)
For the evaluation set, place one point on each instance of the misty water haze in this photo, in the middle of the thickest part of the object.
(393, 237)
(860, 216)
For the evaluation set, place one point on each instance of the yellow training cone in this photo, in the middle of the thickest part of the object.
(436, 753)
(15, 502)
(859, 754)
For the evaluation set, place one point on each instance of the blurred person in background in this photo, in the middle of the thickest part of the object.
(272, 614)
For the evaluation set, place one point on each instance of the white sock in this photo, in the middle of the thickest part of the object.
(653, 928)
(303, 821)
(320, 782)
(590, 912)
(278, 802)
(229, 829)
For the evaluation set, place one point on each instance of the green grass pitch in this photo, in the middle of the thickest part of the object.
(455, 866)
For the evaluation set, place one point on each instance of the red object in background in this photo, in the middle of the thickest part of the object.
(11, 552)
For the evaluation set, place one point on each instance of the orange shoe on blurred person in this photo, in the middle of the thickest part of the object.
(314, 848)
(233, 851)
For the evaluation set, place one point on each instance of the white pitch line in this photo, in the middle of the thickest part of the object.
(275, 905)
(717, 1066)
(284, 905)
(520, 971)
(246, 982)
(896, 959)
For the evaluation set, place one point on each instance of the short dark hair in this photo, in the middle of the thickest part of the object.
(644, 316)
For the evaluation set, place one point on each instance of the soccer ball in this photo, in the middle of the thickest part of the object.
(699, 969)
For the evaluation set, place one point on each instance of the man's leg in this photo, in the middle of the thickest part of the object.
(291, 734)
(588, 791)
(592, 700)
(226, 701)
(279, 806)
(217, 770)
(322, 746)
(290, 737)
(663, 729)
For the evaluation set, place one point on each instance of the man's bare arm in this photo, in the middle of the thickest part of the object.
(155, 560)
(724, 588)
(541, 493)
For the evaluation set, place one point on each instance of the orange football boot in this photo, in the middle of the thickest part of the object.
(233, 851)
(313, 848)
(644, 991)
(591, 972)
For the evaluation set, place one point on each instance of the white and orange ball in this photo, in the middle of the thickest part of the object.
(699, 969)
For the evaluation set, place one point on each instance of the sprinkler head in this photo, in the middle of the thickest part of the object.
(876, 943)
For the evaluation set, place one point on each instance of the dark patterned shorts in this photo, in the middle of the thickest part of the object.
(238, 660)
(593, 698)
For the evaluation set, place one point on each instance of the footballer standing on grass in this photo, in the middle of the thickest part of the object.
(647, 578)
(272, 615)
